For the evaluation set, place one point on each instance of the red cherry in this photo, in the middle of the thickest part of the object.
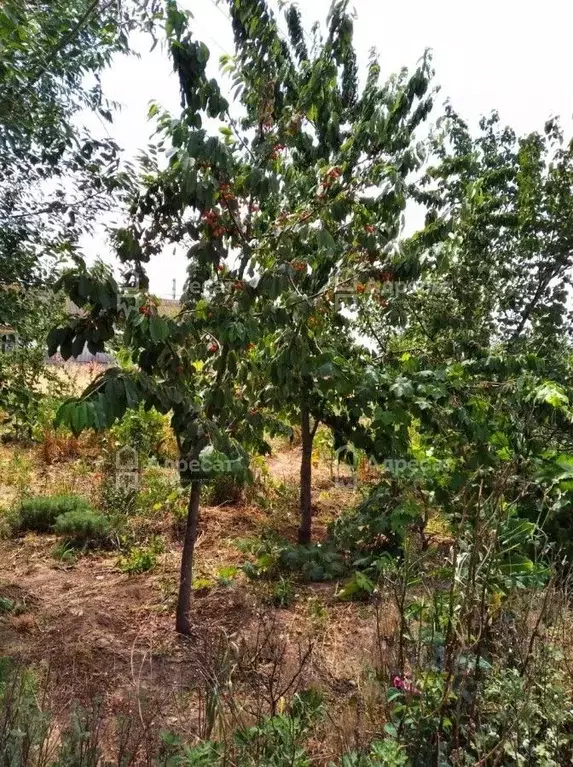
(213, 348)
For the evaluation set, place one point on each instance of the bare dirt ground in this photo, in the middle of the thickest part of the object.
(100, 632)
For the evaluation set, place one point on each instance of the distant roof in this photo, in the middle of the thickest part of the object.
(85, 358)
(169, 307)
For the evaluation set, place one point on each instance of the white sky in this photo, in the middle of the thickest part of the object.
(508, 55)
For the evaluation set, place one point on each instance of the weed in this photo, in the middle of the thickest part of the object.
(81, 740)
(274, 741)
(317, 611)
(247, 545)
(142, 559)
(280, 594)
(8, 522)
(145, 431)
(55, 443)
(358, 588)
(160, 493)
(323, 446)
(202, 584)
(285, 499)
(6, 605)
(65, 553)
(115, 499)
(17, 473)
(313, 562)
(226, 575)
(266, 550)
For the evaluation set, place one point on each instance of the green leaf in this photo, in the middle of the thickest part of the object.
(78, 418)
(326, 240)
(158, 329)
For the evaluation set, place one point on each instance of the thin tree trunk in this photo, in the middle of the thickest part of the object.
(182, 625)
(305, 529)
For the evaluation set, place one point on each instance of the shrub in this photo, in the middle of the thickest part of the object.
(83, 527)
(39, 514)
(313, 562)
(378, 524)
(143, 430)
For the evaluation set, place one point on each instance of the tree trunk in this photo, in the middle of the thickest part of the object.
(182, 625)
(305, 529)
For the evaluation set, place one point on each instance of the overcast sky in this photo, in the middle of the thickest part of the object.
(507, 55)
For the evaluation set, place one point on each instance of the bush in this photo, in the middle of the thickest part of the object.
(377, 525)
(313, 562)
(143, 430)
(83, 527)
(39, 514)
